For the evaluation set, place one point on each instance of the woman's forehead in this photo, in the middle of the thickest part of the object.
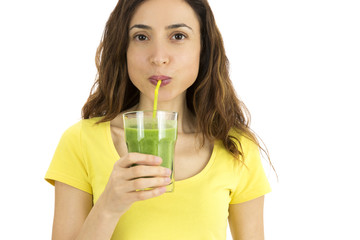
(163, 13)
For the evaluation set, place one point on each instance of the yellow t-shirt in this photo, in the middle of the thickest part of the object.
(198, 207)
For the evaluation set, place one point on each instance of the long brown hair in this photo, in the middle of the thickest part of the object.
(212, 98)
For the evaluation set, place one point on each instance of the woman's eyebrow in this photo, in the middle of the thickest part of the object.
(142, 26)
(178, 25)
(173, 26)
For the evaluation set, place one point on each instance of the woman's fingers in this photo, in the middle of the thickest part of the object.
(139, 171)
(143, 195)
(136, 165)
(134, 172)
(145, 183)
(139, 159)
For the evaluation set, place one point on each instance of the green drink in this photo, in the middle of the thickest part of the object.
(155, 134)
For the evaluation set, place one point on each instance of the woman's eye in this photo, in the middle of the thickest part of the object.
(141, 37)
(179, 36)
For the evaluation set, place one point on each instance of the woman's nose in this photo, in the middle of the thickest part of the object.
(159, 55)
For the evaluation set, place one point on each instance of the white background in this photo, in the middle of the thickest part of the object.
(295, 64)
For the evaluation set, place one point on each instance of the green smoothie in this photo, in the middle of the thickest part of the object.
(151, 142)
(153, 139)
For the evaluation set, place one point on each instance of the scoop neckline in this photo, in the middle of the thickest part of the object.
(177, 182)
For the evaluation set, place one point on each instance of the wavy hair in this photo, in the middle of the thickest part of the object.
(212, 98)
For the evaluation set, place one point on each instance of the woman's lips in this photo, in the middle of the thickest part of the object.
(165, 80)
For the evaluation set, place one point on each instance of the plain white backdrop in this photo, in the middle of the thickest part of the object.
(295, 64)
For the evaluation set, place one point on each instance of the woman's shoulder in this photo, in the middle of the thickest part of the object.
(84, 125)
(246, 139)
(92, 122)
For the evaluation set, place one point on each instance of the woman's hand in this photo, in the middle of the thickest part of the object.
(133, 172)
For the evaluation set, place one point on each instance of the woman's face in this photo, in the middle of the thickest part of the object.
(164, 43)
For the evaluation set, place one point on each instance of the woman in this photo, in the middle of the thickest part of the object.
(219, 175)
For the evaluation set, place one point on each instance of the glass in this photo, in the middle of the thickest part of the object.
(155, 133)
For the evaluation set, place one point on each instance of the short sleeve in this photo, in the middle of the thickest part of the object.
(68, 165)
(252, 181)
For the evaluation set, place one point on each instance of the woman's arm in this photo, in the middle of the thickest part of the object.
(75, 217)
(72, 206)
(246, 220)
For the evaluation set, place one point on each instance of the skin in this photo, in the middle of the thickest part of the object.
(155, 49)
(246, 220)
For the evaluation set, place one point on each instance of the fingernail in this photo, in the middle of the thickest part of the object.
(168, 171)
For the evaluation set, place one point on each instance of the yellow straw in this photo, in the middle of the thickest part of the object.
(156, 97)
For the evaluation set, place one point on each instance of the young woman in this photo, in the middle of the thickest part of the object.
(218, 172)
